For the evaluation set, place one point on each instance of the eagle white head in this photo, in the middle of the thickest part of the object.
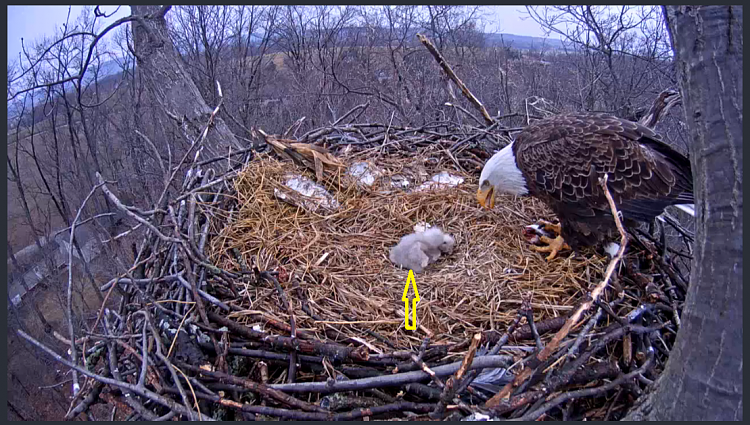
(500, 175)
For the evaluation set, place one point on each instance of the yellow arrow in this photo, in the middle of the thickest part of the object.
(405, 299)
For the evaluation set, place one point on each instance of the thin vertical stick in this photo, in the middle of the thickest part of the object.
(571, 322)
(71, 330)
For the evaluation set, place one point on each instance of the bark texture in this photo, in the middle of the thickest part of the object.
(165, 77)
(703, 378)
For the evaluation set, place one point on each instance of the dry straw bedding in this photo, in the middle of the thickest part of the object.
(340, 259)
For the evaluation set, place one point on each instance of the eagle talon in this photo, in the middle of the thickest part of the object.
(554, 246)
(549, 227)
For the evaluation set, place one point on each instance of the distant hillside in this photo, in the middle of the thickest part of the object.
(356, 34)
(108, 74)
(523, 42)
(109, 71)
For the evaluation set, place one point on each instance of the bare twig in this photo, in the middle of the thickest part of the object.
(529, 313)
(168, 403)
(131, 214)
(586, 329)
(335, 351)
(452, 75)
(156, 153)
(588, 392)
(455, 382)
(462, 109)
(257, 387)
(71, 330)
(87, 62)
(292, 372)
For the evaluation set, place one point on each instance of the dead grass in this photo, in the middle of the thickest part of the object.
(340, 259)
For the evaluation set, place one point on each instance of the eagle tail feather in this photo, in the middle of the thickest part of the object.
(688, 208)
(611, 249)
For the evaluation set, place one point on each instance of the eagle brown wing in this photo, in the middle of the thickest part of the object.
(564, 156)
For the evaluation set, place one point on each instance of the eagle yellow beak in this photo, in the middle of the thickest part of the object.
(486, 197)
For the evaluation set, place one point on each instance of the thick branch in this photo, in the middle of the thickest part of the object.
(452, 75)
(392, 380)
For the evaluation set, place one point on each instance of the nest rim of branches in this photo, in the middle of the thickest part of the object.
(235, 274)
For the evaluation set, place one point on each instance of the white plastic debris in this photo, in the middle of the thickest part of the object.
(478, 417)
(441, 180)
(16, 300)
(313, 196)
(445, 177)
(364, 172)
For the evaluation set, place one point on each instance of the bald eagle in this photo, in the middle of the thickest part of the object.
(560, 160)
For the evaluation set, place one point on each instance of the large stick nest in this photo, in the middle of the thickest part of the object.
(339, 259)
(247, 299)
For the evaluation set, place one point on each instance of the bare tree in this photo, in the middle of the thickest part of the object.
(703, 378)
(451, 26)
(251, 39)
(201, 33)
(14, 176)
(164, 74)
(401, 21)
(613, 49)
(292, 32)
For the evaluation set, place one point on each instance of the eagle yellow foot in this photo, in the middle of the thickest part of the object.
(549, 227)
(553, 246)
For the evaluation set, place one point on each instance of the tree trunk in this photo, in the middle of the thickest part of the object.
(703, 377)
(169, 83)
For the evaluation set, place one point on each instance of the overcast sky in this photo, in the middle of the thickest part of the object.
(34, 22)
(511, 20)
